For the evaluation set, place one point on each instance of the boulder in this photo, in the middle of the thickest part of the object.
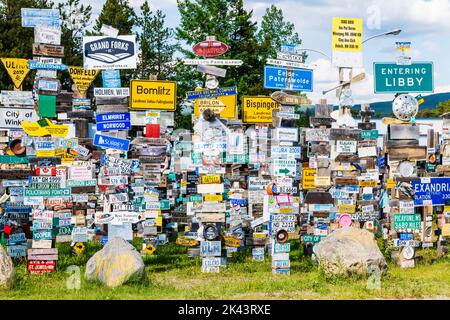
(7, 270)
(350, 250)
(115, 264)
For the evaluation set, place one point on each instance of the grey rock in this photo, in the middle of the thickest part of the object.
(117, 263)
(349, 251)
(7, 270)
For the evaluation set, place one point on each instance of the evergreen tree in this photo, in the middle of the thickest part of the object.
(15, 40)
(157, 51)
(117, 14)
(275, 31)
(75, 19)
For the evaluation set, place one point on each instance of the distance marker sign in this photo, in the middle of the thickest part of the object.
(390, 77)
(258, 109)
(150, 94)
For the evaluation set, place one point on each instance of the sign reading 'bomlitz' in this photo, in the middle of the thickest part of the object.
(109, 53)
(150, 94)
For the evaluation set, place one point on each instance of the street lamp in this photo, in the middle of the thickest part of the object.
(388, 33)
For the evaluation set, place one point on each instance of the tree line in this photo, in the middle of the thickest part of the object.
(161, 47)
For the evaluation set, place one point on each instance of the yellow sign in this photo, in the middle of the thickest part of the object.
(186, 242)
(33, 129)
(390, 183)
(230, 102)
(258, 109)
(79, 247)
(446, 230)
(150, 249)
(347, 34)
(17, 69)
(82, 78)
(346, 208)
(152, 94)
(368, 183)
(45, 153)
(158, 221)
(213, 198)
(232, 242)
(211, 178)
(322, 181)
(65, 156)
(308, 178)
(286, 210)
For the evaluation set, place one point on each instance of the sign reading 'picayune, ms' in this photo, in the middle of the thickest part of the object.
(109, 53)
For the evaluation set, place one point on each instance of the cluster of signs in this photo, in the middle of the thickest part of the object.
(72, 174)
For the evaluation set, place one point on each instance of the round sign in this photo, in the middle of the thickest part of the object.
(210, 232)
(405, 107)
(17, 148)
(406, 169)
(408, 252)
(345, 221)
(282, 236)
(211, 82)
(211, 48)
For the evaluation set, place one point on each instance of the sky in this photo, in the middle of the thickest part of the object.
(425, 23)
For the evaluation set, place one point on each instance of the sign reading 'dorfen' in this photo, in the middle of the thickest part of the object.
(390, 77)
(111, 142)
(109, 53)
(431, 191)
(285, 79)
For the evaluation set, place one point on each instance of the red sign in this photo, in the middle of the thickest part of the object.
(39, 266)
(210, 48)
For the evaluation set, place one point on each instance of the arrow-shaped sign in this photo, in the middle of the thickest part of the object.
(356, 78)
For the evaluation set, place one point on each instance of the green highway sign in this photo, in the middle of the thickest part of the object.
(390, 77)
(63, 192)
(81, 183)
(369, 134)
(408, 221)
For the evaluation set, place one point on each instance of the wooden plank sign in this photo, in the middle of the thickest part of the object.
(51, 50)
(232, 242)
(291, 100)
(41, 266)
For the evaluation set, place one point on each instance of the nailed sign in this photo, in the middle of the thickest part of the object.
(17, 69)
(391, 77)
(109, 53)
(82, 78)
(258, 109)
(150, 94)
(288, 79)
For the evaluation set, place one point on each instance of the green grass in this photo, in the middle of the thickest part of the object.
(173, 275)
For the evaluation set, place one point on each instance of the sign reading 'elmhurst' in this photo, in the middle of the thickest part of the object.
(151, 94)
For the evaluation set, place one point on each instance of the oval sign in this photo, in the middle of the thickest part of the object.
(212, 48)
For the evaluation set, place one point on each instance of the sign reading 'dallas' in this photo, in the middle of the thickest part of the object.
(391, 77)
(347, 42)
(82, 78)
(109, 53)
(258, 109)
(152, 94)
(17, 69)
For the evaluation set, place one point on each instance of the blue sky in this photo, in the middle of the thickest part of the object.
(425, 23)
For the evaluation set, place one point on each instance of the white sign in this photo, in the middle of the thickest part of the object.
(282, 152)
(286, 134)
(109, 31)
(283, 167)
(345, 146)
(47, 34)
(12, 118)
(213, 62)
(108, 53)
(289, 64)
(367, 152)
(80, 172)
(290, 57)
(111, 92)
(210, 188)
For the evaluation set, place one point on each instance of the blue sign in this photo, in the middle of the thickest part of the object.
(381, 162)
(406, 236)
(111, 79)
(431, 191)
(111, 142)
(32, 17)
(288, 48)
(214, 93)
(113, 121)
(281, 78)
(109, 49)
(32, 65)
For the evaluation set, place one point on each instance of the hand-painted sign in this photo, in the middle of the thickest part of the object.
(113, 121)
(288, 79)
(391, 77)
(111, 142)
(258, 109)
(431, 191)
(109, 53)
(17, 69)
(82, 78)
(151, 94)
(47, 34)
(51, 50)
